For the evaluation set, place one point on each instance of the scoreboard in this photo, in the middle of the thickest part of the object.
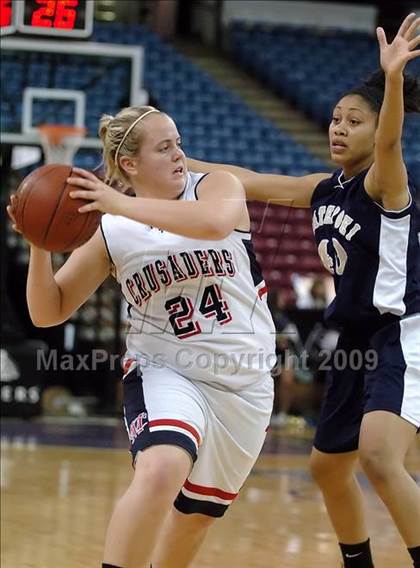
(57, 18)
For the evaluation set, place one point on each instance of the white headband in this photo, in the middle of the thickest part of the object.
(129, 129)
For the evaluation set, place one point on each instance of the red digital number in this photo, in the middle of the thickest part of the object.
(55, 13)
(42, 17)
(5, 13)
(65, 16)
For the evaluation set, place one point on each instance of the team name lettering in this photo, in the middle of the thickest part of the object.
(334, 215)
(177, 268)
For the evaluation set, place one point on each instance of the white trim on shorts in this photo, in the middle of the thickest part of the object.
(410, 345)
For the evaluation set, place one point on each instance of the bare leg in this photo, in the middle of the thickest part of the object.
(384, 442)
(141, 511)
(180, 539)
(287, 381)
(334, 474)
(283, 388)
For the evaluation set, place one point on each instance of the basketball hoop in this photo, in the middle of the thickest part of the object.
(60, 142)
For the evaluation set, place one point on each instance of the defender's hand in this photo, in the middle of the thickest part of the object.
(394, 56)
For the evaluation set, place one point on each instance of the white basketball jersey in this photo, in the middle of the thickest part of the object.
(196, 306)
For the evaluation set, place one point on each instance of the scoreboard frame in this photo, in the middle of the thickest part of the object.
(55, 18)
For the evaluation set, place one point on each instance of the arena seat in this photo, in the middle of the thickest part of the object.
(216, 124)
(313, 74)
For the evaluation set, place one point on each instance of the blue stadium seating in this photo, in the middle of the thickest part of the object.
(312, 68)
(216, 125)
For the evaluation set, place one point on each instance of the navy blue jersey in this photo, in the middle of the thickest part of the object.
(373, 254)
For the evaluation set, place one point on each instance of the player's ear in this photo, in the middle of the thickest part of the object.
(129, 165)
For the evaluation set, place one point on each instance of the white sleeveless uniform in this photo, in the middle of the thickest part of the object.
(195, 305)
(200, 349)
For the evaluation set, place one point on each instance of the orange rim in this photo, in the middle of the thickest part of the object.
(56, 132)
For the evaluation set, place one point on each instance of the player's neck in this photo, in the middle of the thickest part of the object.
(351, 170)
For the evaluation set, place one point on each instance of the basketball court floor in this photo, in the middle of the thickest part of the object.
(60, 480)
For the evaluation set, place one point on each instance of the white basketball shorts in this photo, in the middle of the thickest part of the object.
(223, 431)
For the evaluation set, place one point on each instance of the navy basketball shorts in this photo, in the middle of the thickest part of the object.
(222, 431)
(381, 372)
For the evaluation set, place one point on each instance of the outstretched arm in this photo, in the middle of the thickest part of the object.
(215, 215)
(386, 180)
(272, 188)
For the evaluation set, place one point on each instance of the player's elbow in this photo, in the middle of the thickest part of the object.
(220, 228)
(46, 320)
(214, 234)
(42, 322)
(217, 233)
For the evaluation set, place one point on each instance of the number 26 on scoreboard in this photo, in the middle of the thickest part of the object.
(55, 13)
(66, 18)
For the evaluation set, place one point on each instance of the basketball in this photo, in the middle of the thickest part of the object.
(47, 216)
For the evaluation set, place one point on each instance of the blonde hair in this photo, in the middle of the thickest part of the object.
(121, 136)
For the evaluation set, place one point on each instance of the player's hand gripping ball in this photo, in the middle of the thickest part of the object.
(47, 216)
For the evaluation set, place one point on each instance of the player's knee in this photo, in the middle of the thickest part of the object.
(378, 465)
(320, 468)
(161, 474)
(158, 484)
(331, 472)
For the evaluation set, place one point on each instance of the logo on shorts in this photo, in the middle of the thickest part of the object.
(137, 426)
